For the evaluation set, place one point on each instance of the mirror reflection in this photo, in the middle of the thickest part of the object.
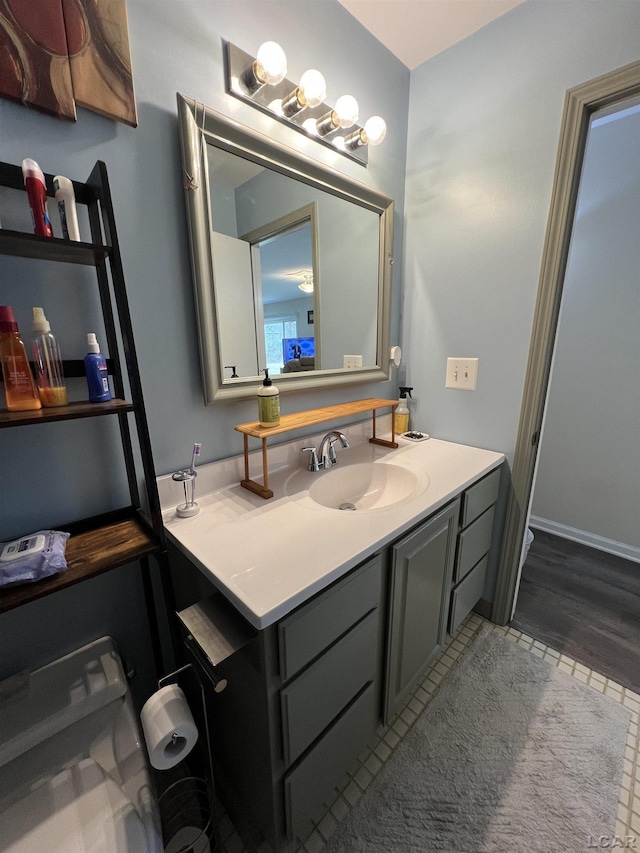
(286, 254)
(290, 261)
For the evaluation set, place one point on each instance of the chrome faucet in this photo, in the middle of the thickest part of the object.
(325, 455)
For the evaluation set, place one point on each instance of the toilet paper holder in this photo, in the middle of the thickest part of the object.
(218, 685)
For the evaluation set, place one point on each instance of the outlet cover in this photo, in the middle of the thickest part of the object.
(462, 374)
(351, 361)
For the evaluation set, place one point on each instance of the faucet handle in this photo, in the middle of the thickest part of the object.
(314, 465)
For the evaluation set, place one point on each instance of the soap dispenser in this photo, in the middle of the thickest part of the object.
(401, 415)
(268, 402)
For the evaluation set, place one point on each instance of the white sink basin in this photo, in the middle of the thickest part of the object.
(365, 486)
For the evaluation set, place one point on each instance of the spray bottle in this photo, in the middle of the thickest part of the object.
(46, 355)
(95, 367)
(401, 415)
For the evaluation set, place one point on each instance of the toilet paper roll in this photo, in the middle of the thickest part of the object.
(168, 727)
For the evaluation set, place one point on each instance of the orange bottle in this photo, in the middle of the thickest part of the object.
(19, 387)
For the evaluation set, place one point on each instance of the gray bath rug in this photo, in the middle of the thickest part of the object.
(511, 756)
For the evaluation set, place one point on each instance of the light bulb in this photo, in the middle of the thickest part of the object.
(313, 87)
(375, 129)
(271, 62)
(346, 109)
(276, 107)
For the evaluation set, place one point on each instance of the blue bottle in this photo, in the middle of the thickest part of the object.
(95, 367)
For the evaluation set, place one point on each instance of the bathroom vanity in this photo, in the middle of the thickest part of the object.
(341, 612)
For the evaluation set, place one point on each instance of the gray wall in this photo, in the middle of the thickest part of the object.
(61, 472)
(588, 479)
(484, 124)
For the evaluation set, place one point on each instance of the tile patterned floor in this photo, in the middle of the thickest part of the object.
(387, 739)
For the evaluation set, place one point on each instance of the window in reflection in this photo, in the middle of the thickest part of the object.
(275, 331)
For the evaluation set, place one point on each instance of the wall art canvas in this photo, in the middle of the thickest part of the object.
(101, 69)
(34, 56)
(55, 54)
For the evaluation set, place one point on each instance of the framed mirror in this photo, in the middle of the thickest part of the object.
(291, 262)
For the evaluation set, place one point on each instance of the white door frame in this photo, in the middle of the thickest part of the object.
(580, 103)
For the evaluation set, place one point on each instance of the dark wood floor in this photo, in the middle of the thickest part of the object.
(585, 604)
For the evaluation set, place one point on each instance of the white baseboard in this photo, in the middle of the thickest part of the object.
(610, 546)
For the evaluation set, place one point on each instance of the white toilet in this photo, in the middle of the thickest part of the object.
(73, 769)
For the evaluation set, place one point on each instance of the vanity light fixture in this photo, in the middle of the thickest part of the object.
(262, 83)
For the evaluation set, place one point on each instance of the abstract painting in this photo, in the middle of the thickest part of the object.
(55, 54)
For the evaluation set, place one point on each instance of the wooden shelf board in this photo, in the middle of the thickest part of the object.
(315, 416)
(305, 419)
(23, 245)
(88, 554)
(72, 411)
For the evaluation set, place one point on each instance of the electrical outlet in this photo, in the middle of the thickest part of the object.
(462, 373)
(351, 361)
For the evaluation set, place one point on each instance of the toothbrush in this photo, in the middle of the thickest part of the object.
(196, 452)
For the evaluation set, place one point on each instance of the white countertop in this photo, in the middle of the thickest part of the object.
(269, 556)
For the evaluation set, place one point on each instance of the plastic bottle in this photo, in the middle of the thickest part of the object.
(401, 415)
(95, 367)
(46, 354)
(268, 402)
(19, 388)
(37, 194)
(66, 199)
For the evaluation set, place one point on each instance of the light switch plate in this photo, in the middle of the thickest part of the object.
(351, 361)
(462, 374)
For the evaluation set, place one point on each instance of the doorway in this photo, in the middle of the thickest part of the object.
(587, 485)
(580, 104)
(579, 592)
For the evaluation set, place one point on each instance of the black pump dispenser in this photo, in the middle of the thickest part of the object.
(404, 390)
(267, 381)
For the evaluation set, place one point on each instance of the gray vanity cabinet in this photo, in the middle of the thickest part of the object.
(420, 575)
(306, 695)
(302, 702)
(330, 654)
(474, 543)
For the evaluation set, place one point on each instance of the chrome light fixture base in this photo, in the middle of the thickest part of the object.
(269, 99)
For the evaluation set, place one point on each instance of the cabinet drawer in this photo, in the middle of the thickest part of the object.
(465, 596)
(316, 697)
(479, 497)
(307, 632)
(313, 780)
(473, 543)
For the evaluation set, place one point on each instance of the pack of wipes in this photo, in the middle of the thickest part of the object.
(32, 557)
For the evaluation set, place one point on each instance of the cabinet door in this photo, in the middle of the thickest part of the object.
(421, 568)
